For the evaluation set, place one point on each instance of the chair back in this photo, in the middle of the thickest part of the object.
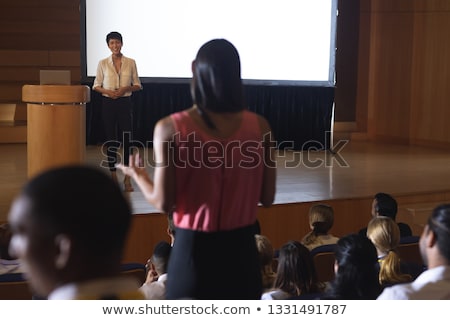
(324, 257)
(408, 250)
(13, 286)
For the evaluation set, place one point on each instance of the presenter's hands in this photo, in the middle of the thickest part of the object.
(121, 91)
(117, 93)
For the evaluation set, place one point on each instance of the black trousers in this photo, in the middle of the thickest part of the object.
(117, 115)
(214, 265)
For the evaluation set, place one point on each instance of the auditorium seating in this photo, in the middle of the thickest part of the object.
(13, 286)
(323, 257)
(409, 251)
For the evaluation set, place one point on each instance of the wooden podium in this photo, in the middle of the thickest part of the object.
(56, 126)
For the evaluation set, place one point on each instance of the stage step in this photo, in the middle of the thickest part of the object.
(13, 123)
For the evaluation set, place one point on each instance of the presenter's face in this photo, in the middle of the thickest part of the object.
(115, 46)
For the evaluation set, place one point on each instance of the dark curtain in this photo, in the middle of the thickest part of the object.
(300, 117)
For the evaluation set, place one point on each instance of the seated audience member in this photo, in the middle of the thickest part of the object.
(296, 274)
(154, 287)
(321, 218)
(265, 253)
(384, 204)
(8, 264)
(69, 229)
(433, 283)
(385, 235)
(356, 270)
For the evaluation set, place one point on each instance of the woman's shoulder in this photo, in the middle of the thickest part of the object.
(258, 121)
(164, 129)
(125, 58)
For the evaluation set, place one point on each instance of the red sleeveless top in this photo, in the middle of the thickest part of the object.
(218, 181)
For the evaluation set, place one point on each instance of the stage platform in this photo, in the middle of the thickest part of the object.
(418, 177)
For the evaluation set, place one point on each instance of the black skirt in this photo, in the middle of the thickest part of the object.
(220, 265)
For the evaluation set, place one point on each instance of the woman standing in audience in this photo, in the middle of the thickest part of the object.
(214, 167)
(356, 270)
(385, 235)
(296, 274)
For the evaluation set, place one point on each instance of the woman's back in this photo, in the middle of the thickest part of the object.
(218, 179)
(214, 166)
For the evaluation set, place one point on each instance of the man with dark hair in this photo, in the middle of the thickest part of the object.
(384, 204)
(434, 283)
(154, 287)
(69, 229)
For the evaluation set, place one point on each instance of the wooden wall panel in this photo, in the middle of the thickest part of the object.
(37, 11)
(431, 5)
(36, 35)
(390, 81)
(64, 58)
(10, 91)
(36, 41)
(23, 58)
(347, 52)
(392, 5)
(362, 87)
(430, 87)
(404, 72)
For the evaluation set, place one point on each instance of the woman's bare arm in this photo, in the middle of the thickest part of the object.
(160, 191)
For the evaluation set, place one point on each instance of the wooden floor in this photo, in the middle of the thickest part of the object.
(418, 177)
(358, 170)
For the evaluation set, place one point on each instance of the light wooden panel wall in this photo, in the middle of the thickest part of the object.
(431, 77)
(36, 35)
(404, 72)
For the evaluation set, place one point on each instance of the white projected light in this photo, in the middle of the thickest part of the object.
(279, 42)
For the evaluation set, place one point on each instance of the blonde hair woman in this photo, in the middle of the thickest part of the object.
(385, 235)
(321, 218)
(265, 253)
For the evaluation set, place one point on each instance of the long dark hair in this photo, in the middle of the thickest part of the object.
(216, 84)
(357, 275)
(296, 273)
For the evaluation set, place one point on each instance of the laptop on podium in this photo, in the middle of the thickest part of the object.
(55, 77)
